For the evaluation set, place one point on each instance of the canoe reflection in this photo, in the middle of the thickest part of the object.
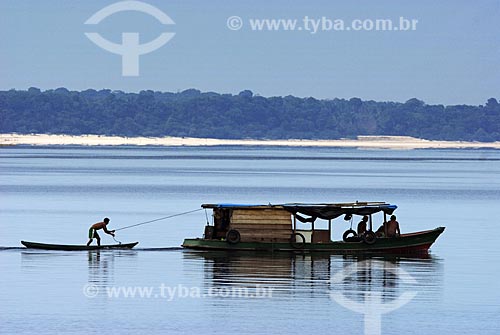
(101, 264)
(100, 267)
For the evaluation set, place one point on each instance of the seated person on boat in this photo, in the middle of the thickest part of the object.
(362, 225)
(392, 228)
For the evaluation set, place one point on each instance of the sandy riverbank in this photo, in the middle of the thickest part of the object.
(386, 142)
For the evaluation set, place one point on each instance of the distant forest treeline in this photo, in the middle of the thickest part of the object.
(192, 113)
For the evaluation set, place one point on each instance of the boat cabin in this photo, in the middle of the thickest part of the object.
(284, 223)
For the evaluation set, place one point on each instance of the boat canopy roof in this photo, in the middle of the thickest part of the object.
(332, 211)
(322, 211)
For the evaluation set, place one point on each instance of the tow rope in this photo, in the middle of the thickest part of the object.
(159, 219)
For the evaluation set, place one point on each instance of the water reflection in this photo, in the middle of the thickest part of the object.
(316, 275)
(364, 277)
(101, 265)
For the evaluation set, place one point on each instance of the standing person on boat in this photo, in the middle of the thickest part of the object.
(393, 227)
(97, 226)
(362, 225)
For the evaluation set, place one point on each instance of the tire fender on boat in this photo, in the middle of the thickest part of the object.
(233, 236)
(296, 244)
(346, 236)
(369, 237)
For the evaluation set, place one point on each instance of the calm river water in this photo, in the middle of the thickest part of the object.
(53, 194)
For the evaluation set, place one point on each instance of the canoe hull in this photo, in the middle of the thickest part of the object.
(45, 246)
(413, 243)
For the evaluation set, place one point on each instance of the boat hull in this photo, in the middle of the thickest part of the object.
(45, 246)
(418, 242)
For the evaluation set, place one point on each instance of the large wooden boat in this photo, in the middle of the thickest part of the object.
(305, 227)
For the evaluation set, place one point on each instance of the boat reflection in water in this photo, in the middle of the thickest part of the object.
(318, 275)
(101, 265)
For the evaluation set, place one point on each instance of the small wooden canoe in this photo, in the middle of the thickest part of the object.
(45, 246)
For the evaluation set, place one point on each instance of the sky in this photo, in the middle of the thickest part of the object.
(452, 57)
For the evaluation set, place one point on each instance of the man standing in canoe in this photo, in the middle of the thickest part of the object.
(95, 227)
